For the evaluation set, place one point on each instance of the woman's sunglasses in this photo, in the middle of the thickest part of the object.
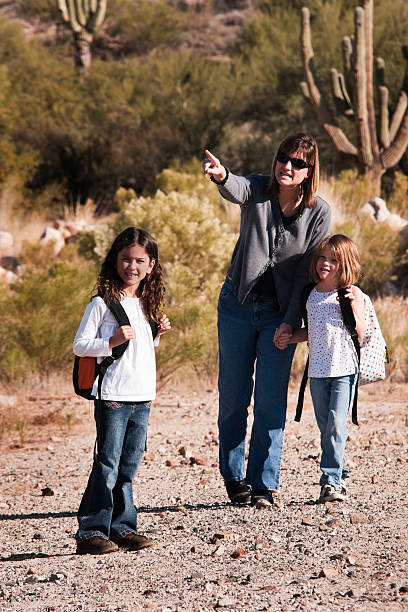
(296, 162)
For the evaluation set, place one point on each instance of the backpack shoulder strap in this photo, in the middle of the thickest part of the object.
(306, 291)
(121, 317)
(303, 300)
(349, 321)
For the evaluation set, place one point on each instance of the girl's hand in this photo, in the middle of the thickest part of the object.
(213, 167)
(164, 325)
(123, 333)
(282, 341)
(283, 335)
(349, 293)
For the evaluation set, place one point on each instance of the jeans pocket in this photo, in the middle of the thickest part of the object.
(228, 289)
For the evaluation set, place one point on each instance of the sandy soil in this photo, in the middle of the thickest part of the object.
(208, 554)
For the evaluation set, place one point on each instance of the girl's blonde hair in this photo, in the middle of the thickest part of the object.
(307, 145)
(151, 288)
(346, 254)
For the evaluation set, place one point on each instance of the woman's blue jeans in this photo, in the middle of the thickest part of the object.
(332, 398)
(245, 335)
(107, 506)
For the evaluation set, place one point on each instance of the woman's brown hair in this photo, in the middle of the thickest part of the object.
(307, 145)
(151, 288)
(346, 254)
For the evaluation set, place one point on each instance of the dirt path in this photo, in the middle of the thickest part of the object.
(299, 556)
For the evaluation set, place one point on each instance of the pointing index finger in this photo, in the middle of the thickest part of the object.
(211, 157)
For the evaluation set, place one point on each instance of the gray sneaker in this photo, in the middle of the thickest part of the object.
(329, 493)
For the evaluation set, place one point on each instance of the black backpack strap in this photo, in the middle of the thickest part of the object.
(303, 300)
(350, 324)
(154, 327)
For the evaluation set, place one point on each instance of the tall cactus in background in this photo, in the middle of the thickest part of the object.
(84, 18)
(353, 92)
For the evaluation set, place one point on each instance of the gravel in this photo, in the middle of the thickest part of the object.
(298, 555)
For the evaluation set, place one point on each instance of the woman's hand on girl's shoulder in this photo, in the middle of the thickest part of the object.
(164, 325)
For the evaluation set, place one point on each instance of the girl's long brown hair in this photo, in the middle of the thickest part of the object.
(308, 146)
(151, 288)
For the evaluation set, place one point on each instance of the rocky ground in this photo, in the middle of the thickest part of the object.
(297, 556)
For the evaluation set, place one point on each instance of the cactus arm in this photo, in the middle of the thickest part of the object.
(305, 90)
(359, 65)
(340, 94)
(347, 51)
(384, 116)
(398, 114)
(97, 14)
(393, 154)
(319, 104)
(369, 59)
(62, 7)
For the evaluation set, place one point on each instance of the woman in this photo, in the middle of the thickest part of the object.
(282, 222)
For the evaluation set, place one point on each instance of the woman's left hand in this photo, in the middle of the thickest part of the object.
(164, 325)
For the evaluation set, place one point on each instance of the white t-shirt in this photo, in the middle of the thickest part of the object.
(331, 349)
(133, 376)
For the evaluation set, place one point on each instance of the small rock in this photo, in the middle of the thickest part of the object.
(226, 535)
(333, 523)
(38, 536)
(199, 461)
(57, 576)
(47, 492)
(226, 602)
(105, 588)
(173, 463)
(375, 478)
(238, 553)
(403, 588)
(328, 572)
(308, 521)
(357, 518)
(270, 588)
(220, 550)
(355, 592)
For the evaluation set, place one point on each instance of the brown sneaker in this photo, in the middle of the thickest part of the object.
(134, 541)
(95, 546)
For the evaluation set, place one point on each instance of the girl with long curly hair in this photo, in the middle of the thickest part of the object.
(131, 275)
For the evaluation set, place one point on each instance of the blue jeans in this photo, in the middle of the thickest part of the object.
(245, 335)
(332, 398)
(107, 506)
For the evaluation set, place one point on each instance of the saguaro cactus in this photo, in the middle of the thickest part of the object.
(84, 17)
(353, 92)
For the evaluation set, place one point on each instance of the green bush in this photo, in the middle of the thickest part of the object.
(40, 315)
(138, 27)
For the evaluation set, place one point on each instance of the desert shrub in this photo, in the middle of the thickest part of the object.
(397, 202)
(40, 315)
(392, 314)
(43, 9)
(139, 26)
(195, 247)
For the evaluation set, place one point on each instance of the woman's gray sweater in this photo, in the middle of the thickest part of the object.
(263, 241)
